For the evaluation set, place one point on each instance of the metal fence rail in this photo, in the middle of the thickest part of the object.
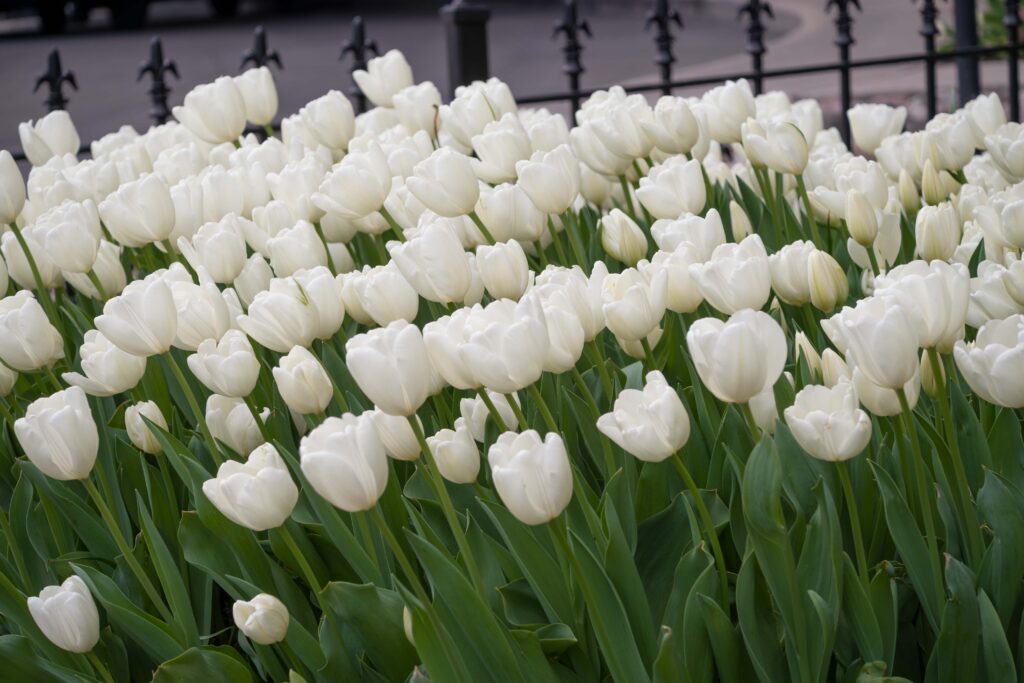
(467, 48)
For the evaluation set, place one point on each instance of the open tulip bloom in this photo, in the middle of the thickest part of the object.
(460, 391)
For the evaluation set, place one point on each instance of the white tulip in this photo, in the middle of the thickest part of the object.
(550, 179)
(59, 435)
(634, 306)
(622, 238)
(345, 462)
(303, 383)
(28, 341)
(12, 189)
(532, 476)
(108, 370)
(280, 317)
(880, 338)
(140, 212)
(705, 233)
(139, 432)
(259, 95)
(53, 135)
(67, 615)
(396, 434)
(736, 277)
(263, 620)
(417, 107)
(258, 494)
(992, 363)
(214, 112)
(391, 366)
(504, 269)
(446, 183)
(649, 424)
(739, 358)
(935, 297)
(827, 423)
(455, 453)
(383, 77)
(871, 123)
(673, 188)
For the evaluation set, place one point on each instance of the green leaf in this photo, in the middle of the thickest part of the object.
(1001, 507)
(758, 624)
(730, 657)
(955, 655)
(858, 615)
(618, 561)
(220, 664)
(996, 655)
(22, 663)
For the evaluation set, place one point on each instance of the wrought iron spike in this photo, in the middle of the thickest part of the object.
(571, 27)
(929, 15)
(843, 20)
(54, 78)
(259, 55)
(158, 67)
(358, 46)
(755, 10)
(662, 16)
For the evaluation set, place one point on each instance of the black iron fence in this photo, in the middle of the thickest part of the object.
(466, 36)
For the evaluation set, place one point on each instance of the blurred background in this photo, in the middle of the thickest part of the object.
(104, 42)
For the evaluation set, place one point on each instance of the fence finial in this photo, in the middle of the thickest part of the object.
(928, 31)
(259, 55)
(755, 9)
(157, 67)
(358, 46)
(843, 40)
(663, 16)
(1011, 21)
(55, 77)
(572, 27)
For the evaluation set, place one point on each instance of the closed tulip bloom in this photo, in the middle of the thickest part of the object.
(550, 179)
(443, 338)
(776, 144)
(259, 95)
(475, 105)
(434, 263)
(280, 317)
(8, 378)
(254, 278)
(571, 289)
(108, 270)
(871, 123)
(503, 269)
(935, 297)
(827, 423)
(391, 366)
(705, 233)
(726, 107)
(739, 221)
(232, 423)
(296, 248)
(258, 494)
(565, 334)
(53, 135)
(218, 247)
(303, 382)
(378, 295)
(71, 235)
(739, 358)
(396, 434)
(329, 120)
(227, 366)
(383, 77)
(455, 453)
(833, 368)
(140, 212)
(417, 107)
(108, 370)
(67, 615)
(634, 306)
(622, 238)
(532, 476)
(142, 320)
(322, 291)
(345, 462)
(675, 129)
(803, 348)
(994, 362)
(861, 218)
(1006, 145)
(682, 295)
(358, 185)
(499, 147)
(937, 232)
(263, 620)
(509, 214)
(28, 341)
(12, 188)
(789, 270)
(476, 415)
(214, 112)
(736, 277)
(506, 346)
(139, 432)
(829, 286)
(59, 436)
(296, 183)
(203, 310)
(649, 424)
(882, 401)
(445, 183)
(18, 266)
(673, 188)
(880, 337)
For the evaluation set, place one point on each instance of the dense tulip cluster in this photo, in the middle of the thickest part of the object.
(460, 392)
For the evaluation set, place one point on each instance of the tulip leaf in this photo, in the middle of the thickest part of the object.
(661, 541)
(22, 663)
(1007, 444)
(726, 643)
(885, 606)
(1001, 507)
(955, 655)
(974, 447)
(758, 624)
(858, 615)
(74, 511)
(21, 516)
(996, 656)
(666, 669)
(219, 664)
(622, 571)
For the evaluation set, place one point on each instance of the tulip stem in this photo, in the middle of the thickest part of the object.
(542, 405)
(517, 410)
(748, 416)
(99, 666)
(368, 539)
(327, 248)
(801, 189)
(851, 509)
(972, 529)
(542, 259)
(395, 227)
(598, 359)
(492, 409)
(873, 260)
(304, 566)
(447, 507)
(19, 558)
(627, 193)
(193, 405)
(648, 354)
(126, 552)
(922, 491)
(709, 525)
(483, 228)
(609, 459)
(575, 242)
(42, 293)
(95, 280)
(250, 403)
(559, 250)
(48, 371)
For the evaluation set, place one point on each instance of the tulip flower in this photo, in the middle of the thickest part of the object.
(673, 188)
(705, 233)
(108, 370)
(739, 358)
(504, 346)
(383, 77)
(532, 476)
(726, 108)
(218, 247)
(28, 341)
(871, 123)
(231, 422)
(417, 107)
(434, 263)
(227, 366)
(649, 424)
(622, 238)
(214, 112)
(736, 277)
(19, 266)
(345, 462)
(446, 183)
(258, 494)
(378, 295)
(883, 401)
(633, 306)
(509, 213)
(827, 422)
(934, 295)
(59, 435)
(53, 135)
(396, 434)
(778, 145)
(71, 235)
(991, 364)
(67, 615)
(140, 212)
(550, 179)
(455, 453)
(139, 432)
(391, 367)
(675, 129)
(259, 95)
(280, 317)
(475, 105)
(937, 232)
(296, 248)
(880, 338)
(263, 620)
(107, 269)
(12, 189)
(303, 383)
(202, 310)
(358, 186)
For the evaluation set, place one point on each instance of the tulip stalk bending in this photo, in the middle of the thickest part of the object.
(709, 525)
(851, 509)
(100, 667)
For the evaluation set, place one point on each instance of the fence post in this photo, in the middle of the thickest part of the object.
(55, 77)
(755, 38)
(157, 67)
(965, 18)
(844, 39)
(259, 54)
(662, 16)
(1011, 20)
(465, 28)
(571, 26)
(358, 46)
(929, 12)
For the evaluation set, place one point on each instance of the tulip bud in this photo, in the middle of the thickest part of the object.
(455, 453)
(28, 341)
(550, 179)
(928, 381)
(739, 358)
(736, 277)
(565, 335)
(434, 263)
(802, 348)
(383, 77)
(503, 269)
(59, 436)
(475, 413)
(861, 220)
(214, 112)
(303, 382)
(12, 189)
(652, 424)
(254, 278)
(228, 367)
(259, 95)
(407, 625)
(391, 366)
(140, 212)
(322, 292)
(829, 286)
(329, 120)
(871, 123)
(139, 432)
(633, 307)
(258, 494)
(991, 364)
(345, 462)
(8, 378)
(673, 188)
(108, 370)
(231, 422)
(263, 620)
(909, 197)
(532, 477)
(622, 238)
(67, 615)
(53, 135)
(790, 272)
(739, 221)
(833, 368)
(445, 183)
(937, 232)
(280, 317)
(827, 422)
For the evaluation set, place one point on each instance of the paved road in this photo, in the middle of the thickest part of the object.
(522, 51)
